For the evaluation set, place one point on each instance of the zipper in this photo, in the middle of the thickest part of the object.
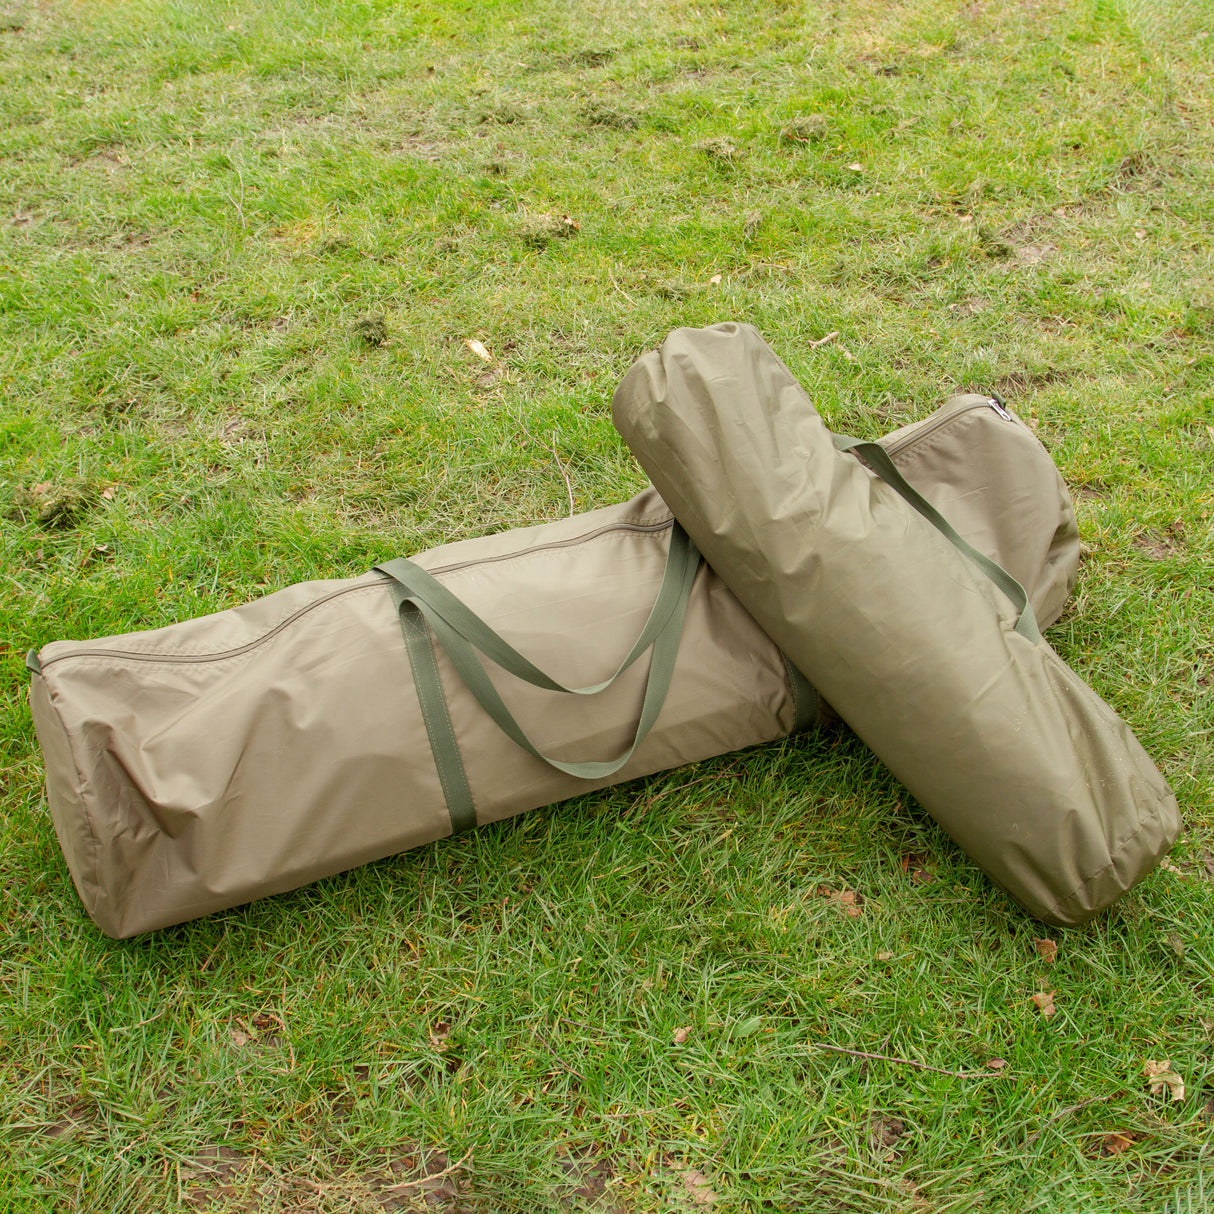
(135, 656)
(990, 402)
(570, 543)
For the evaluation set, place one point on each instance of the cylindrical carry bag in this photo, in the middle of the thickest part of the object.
(201, 765)
(928, 649)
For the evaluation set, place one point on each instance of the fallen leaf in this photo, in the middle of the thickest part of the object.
(1114, 1144)
(857, 167)
(1160, 1075)
(698, 1188)
(108, 493)
(1047, 950)
(1045, 1002)
(885, 956)
(1176, 943)
(439, 1034)
(1169, 867)
(996, 1064)
(478, 349)
(846, 899)
(681, 1035)
(916, 866)
(715, 280)
(39, 489)
(239, 1038)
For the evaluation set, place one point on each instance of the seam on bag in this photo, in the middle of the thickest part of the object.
(658, 527)
(216, 655)
(930, 441)
(1143, 823)
(52, 697)
(423, 634)
(659, 523)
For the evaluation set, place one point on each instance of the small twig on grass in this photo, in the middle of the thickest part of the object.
(921, 1066)
(619, 288)
(568, 485)
(822, 341)
(412, 1184)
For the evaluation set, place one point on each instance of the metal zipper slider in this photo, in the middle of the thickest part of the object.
(997, 405)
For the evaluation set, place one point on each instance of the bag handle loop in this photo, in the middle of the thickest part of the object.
(465, 637)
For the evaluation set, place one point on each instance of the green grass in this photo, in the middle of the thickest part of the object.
(199, 203)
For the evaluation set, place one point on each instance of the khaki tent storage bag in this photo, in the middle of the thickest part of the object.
(201, 765)
(928, 650)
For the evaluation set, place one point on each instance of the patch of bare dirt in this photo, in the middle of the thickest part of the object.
(884, 1135)
(1017, 383)
(1160, 545)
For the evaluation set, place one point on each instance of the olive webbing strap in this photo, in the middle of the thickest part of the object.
(807, 704)
(878, 459)
(468, 624)
(443, 744)
(462, 633)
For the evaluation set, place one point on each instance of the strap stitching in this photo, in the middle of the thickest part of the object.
(421, 634)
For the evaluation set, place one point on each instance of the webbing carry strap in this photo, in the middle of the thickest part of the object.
(465, 636)
(443, 744)
(878, 459)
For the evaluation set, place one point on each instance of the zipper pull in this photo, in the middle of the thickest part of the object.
(997, 405)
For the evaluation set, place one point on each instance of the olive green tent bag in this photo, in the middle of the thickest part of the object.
(924, 645)
(201, 765)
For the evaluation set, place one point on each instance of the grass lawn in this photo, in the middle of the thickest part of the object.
(242, 251)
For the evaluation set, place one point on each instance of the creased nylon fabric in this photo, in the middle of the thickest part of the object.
(1005, 746)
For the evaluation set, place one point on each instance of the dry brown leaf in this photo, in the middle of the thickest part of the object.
(856, 167)
(239, 1038)
(1160, 1076)
(715, 280)
(1047, 950)
(1114, 1144)
(478, 349)
(40, 488)
(108, 493)
(916, 867)
(847, 900)
(698, 1187)
(996, 1064)
(681, 1035)
(885, 956)
(1045, 1002)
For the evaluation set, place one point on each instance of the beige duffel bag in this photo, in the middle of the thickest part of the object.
(198, 766)
(930, 652)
